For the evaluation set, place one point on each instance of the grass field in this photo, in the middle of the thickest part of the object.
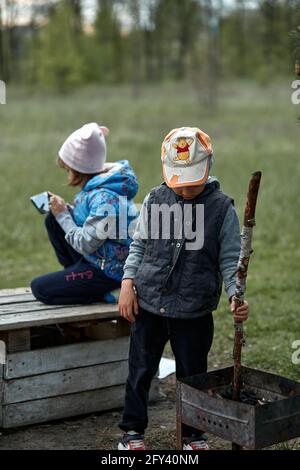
(254, 129)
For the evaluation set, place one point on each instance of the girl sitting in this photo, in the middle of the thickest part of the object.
(86, 237)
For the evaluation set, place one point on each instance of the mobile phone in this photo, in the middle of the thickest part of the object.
(41, 202)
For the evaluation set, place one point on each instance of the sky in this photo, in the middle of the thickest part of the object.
(24, 11)
(89, 9)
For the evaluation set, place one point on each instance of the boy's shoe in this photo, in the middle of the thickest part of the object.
(132, 441)
(195, 443)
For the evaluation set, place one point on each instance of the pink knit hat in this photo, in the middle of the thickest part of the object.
(85, 149)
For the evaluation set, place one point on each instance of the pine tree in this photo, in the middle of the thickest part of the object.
(2, 71)
(59, 62)
(109, 43)
(176, 32)
(76, 8)
(136, 46)
(296, 43)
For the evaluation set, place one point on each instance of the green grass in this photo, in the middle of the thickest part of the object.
(254, 129)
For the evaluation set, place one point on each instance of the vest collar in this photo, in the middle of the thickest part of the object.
(208, 189)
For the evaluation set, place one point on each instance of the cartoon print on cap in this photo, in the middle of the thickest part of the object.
(183, 149)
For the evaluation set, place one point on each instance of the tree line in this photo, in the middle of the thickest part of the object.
(139, 41)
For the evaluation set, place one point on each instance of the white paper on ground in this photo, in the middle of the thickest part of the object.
(166, 367)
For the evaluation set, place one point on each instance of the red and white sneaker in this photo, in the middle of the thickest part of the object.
(132, 441)
(193, 443)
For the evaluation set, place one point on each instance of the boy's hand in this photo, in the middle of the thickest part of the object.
(239, 313)
(57, 204)
(128, 304)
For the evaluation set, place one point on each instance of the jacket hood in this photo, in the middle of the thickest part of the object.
(119, 178)
(213, 180)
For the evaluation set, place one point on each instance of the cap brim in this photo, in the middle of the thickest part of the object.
(187, 175)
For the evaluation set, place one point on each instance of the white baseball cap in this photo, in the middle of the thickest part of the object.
(85, 149)
(185, 155)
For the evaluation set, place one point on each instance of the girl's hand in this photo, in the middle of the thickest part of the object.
(240, 313)
(57, 204)
(128, 304)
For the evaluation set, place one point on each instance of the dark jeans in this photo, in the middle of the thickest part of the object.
(78, 283)
(190, 340)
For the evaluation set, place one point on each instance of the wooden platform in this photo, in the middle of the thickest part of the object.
(19, 309)
(60, 361)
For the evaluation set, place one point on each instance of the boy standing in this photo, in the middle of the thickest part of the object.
(173, 277)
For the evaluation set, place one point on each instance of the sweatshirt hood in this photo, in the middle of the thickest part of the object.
(119, 178)
(212, 180)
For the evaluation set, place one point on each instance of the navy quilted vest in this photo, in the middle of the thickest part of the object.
(176, 282)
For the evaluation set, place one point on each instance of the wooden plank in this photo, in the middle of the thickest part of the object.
(65, 382)
(66, 315)
(1, 394)
(3, 358)
(35, 306)
(16, 299)
(17, 340)
(71, 356)
(49, 409)
(15, 291)
(3, 351)
(65, 406)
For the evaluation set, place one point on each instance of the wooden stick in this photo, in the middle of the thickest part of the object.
(242, 270)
